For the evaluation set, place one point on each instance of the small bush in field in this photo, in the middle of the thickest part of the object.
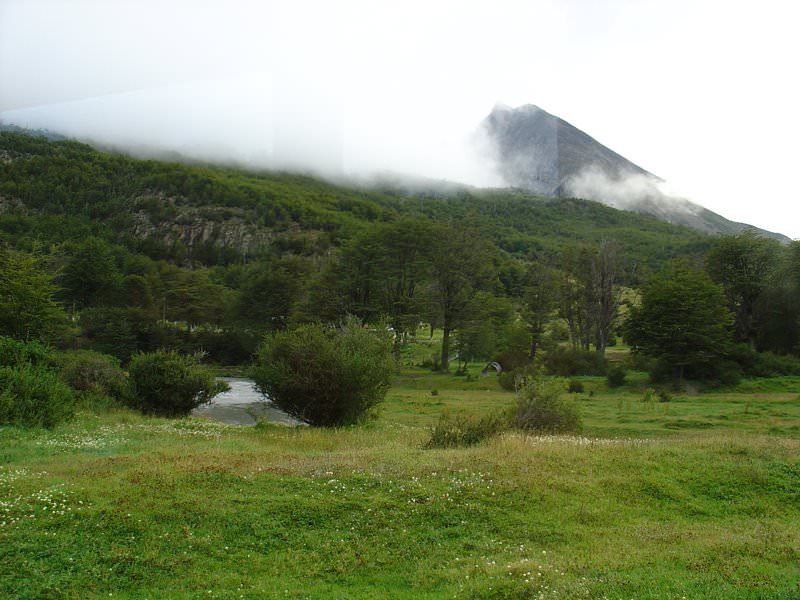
(91, 372)
(325, 376)
(575, 387)
(566, 362)
(616, 377)
(511, 380)
(543, 406)
(461, 430)
(168, 383)
(33, 396)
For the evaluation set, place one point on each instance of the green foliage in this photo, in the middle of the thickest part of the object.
(91, 372)
(543, 406)
(33, 396)
(616, 376)
(511, 380)
(325, 376)
(683, 322)
(744, 265)
(575, 387)
(455, 431)
(168, 383)
(15, 352)
(565, 362)
(28, 309)
(90, 276)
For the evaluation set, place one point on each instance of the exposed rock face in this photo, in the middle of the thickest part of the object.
(169, 219)
(540, 152)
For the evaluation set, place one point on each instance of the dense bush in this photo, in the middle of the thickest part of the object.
(14, 353)
(543, 406)
(616, 376)
(87, 371)
(325, 376)
(566, 362)
(461, 430)
(510, 380)
(33, 396)
(763, 364)
(575, 387)
(720, 372)
(168, 383)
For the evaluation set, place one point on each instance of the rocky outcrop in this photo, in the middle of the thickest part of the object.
(537, 151)
(170, 219)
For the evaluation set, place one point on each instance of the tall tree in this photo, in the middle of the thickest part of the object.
(744, 266)
(539, 300)
(90, 276)
(589, 297)
(682, 320)
(605, 293)
(461, 264)
(28, 309)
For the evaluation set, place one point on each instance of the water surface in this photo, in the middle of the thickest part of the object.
(242, 405)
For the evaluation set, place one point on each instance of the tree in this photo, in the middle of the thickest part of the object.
(682, 321)
(744, 265)
(168, 383)
(460, 266)
(28, 309)
(589, 297)
(271, 291)
(90, 276)
(539, 300)
(605, 295)
(325, 376)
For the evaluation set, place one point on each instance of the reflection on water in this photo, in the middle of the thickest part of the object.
(242, 405)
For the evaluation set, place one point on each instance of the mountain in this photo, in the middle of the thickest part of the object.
(53, 192)
(538, 151)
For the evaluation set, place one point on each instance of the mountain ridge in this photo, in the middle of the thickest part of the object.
(541, 152)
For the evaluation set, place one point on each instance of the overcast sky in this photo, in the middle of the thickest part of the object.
(702, 93)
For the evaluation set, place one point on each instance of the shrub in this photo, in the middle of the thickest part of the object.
(616, 376)
(575, 387)
(763, 364)
(14, 353)
(566, 362)
(325, 376)
(462, 430)
(88, 371)
(168, 383)
(510, 380)
(33, 396)
(543, 406)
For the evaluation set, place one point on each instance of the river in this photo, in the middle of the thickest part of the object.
(242, 405)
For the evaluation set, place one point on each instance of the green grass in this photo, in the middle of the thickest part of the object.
(696, 498)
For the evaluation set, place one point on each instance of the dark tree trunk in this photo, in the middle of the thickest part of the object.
(445, 349)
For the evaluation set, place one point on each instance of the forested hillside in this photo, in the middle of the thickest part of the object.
(55, 191)
(143, 254)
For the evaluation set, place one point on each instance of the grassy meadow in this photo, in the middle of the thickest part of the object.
(698, 497)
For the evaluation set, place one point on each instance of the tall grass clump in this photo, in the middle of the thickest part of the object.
(454, 431)
(325, 376)
(170, 384)
(34, 396)
(544, 406)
